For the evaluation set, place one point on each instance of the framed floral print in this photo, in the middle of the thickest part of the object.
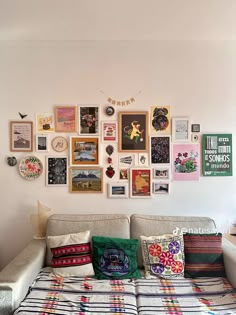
(45, 122)
(88, 120)
(160, 149)
(86, 180)
(21, 136)
(84, 151)
(181, 127)
(66, 118)
(56, 170)
(133, 131)
(140, 183)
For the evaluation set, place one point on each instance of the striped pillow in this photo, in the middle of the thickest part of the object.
(72, 254)
(203, 255)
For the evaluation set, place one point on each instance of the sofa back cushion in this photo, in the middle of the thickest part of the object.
(150, 225)
(112, 225)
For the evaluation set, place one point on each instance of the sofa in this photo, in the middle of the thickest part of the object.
(145, 296)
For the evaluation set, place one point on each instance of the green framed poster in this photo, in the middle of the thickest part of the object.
(217, 156)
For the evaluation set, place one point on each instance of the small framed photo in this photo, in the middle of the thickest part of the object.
(133, 131)
(88, 119)
(124, 174)
(140, 183)
(143, 159)
(84, 151)
(161, 172)
(56, 170)
(161, 188)
(21, 136)
(195, 127)
(117, 190)
(86, 180)
(66, 118)
(126, 160)
(109, 131)
(45, 122)
(160, 149)
(59, 144)
(41, 143)
(181, 127)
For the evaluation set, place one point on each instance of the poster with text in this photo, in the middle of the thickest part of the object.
(217, 155)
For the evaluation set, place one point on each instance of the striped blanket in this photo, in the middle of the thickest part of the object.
(50, 294)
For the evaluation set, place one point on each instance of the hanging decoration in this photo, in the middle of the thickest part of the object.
(126, 102)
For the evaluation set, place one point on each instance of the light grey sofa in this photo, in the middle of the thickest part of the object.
(18, 275)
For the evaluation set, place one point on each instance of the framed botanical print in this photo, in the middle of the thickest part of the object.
(41, 143)
(86, 180)
(56, 170)
(66, 118)
(21, 136)
(181, 127)
(140, 183)
(109, 131)
(160, 120)
(117, 190)
(88, 120)
(45, 122)
(160, 149)
(133, 131)
(84, 151)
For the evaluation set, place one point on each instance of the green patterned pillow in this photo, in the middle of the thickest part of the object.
(115, 258)
(163, 256)
(203, 255)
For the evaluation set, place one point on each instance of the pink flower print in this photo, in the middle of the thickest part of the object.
(185, 154)
(154, 250)
(166, 258)
(177, 266)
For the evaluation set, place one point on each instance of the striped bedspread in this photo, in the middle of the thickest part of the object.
(86, 296)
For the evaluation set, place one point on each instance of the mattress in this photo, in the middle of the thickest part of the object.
(50, 294)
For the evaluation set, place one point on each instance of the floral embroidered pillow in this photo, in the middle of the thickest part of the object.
(163, 255)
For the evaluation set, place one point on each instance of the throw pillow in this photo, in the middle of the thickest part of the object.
(115, 258)
(163, 256)
(203, 255)
(71, 254)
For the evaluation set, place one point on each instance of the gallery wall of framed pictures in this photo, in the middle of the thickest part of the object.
(120, 153)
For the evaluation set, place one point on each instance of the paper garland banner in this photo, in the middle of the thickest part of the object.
(113, 101)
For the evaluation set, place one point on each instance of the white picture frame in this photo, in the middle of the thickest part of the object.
(181, 129)
(89, 118)
(161, 172)
(56, 170)
(161, 187)
(118, 190)
(109, 131)
(41, 143)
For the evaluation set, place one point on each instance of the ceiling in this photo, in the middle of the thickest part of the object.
(117, 19)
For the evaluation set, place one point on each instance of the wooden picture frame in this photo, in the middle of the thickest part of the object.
(86, 180)
(21, 136)
(56, 170)
(117, 190)
(160, 149)
(41, 143)
(181, 129)
(140, 183)
(133, 131)
(89, 116)
(84, 151)
(66, 119)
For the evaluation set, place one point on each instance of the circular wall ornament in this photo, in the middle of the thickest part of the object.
(109, 110)
(30, 167)
(59, 144)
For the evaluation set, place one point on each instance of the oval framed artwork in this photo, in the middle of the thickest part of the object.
(30, 168)
(59, 144)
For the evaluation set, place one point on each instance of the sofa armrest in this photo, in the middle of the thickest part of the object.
(18, 275)
(229, 254)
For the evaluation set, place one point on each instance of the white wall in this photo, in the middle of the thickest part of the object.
(196, 78)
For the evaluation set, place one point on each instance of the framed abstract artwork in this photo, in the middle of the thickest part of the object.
(160, 149)
(56, 170)
(21, 136)
(66, 119)
(84, 151)
(86, 180)
(133, 131)
(140, 183)
(88, 119)
(181, 129)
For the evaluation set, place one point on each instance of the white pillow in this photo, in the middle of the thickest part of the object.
(72, 255)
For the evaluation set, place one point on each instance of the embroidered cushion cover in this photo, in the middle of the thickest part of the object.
(163, 256)
(71, 254)
(203, 255)
(115, 258)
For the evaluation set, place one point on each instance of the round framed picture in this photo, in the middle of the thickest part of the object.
(109, 110)
(59, 144)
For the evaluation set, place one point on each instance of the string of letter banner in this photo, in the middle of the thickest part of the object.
(128, 101)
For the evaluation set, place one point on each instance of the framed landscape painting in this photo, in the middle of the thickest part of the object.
(88, 120)
(84, 151)
(133, 131)
(21, 136)
(66, 118)
(86, 180)
(117, 190)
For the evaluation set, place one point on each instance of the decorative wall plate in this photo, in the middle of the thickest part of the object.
(59, 144)
(30, 167)
(109, 110)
